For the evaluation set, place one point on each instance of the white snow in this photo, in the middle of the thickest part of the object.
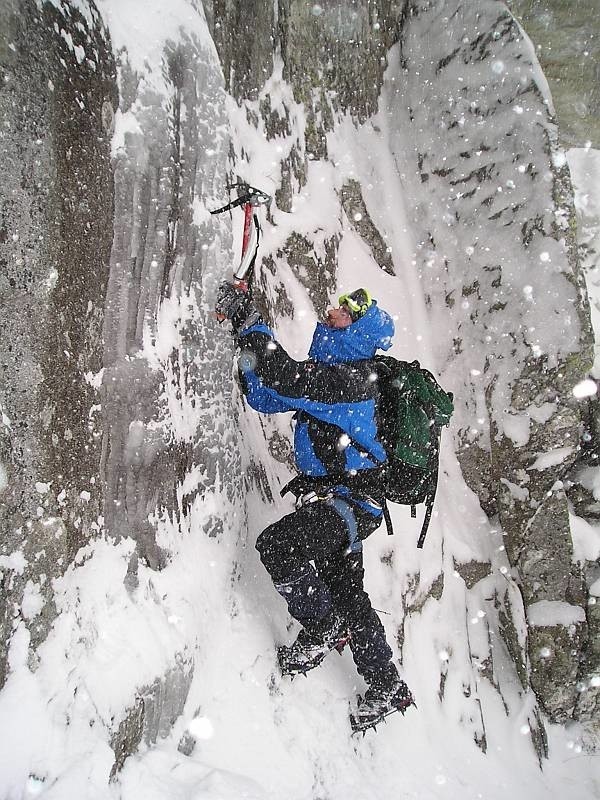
(143, 32)
(33, 602)
(126, 123)
(516, 427)
(546, 613)
(551, 458)
(586, 539)
(15, 562)
(585, 388)
(3, 477)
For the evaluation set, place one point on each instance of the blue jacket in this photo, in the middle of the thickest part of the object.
(333, 392)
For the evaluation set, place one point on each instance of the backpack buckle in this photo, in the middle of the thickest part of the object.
(312, 497)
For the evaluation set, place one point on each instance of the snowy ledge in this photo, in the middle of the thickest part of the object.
(548, 613)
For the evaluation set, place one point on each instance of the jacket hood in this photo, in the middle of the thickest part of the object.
(359, 341)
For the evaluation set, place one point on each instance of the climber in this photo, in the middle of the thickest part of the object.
(314, 555)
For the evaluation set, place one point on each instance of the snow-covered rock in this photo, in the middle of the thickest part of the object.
(410, 148)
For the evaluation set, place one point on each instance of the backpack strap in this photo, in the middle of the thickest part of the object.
(388, 518)
(426, 521)
(435, 430)
(366, 482)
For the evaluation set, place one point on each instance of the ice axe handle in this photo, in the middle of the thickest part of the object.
(247, 228)
(239, 283)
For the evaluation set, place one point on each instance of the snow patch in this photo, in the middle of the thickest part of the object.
(516, 427)
(547, 613)
(517, 492)
(586, 539)
(551, 459)
(33, 601)
(585, 388)
(16, 561)
(126, 123)
(144, 35)
(3, 477)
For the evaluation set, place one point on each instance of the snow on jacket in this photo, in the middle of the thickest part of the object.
(333, 393)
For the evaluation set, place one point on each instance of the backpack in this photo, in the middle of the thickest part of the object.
(412, 410)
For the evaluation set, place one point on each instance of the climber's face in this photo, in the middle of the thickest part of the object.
(338, 317)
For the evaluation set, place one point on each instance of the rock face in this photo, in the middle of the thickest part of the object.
(497, 204)
(108, 348)
(565, 33)
(165, 167)
(332, 60)
(56, 209)
(169, 436)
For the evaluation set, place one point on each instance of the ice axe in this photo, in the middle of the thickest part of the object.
(250, 198)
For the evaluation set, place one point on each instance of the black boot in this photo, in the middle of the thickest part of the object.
(386, 693)
(313, 644)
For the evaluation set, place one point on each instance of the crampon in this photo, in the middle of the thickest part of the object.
(306, 653)
(377, 705)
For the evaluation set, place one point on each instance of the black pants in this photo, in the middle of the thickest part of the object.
(318, 533)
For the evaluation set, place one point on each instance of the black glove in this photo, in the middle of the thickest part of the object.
(234, 304)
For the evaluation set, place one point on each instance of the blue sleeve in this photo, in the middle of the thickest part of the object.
(259, 396)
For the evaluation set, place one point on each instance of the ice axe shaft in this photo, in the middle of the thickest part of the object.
(250, 198)
(249, 247)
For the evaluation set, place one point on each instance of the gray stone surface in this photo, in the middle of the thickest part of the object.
(479, 243)
(167, 250)
(354, 205)
(56, 204)
(153, 713)
(174, 160)
(566, 34)
(554, 652)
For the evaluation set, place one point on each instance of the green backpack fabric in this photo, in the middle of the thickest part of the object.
(412, 410)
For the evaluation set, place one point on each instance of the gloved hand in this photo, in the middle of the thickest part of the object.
(234, 304)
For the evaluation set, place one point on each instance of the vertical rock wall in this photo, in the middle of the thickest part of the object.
(494, 224)
(166, 259)
(499, 263)
(170, 433)
(331, 57)
(566, 36)
(168, 160)
(57, 102)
